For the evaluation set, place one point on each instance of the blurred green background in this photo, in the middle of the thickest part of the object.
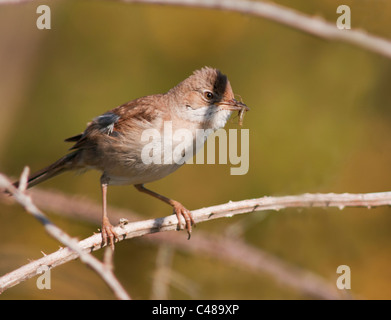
(319, 122)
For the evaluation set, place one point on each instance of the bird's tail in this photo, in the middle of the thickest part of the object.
(61, 165)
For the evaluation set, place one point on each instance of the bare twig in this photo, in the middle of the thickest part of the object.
(316, 26)
(289, 17)
(26, 201)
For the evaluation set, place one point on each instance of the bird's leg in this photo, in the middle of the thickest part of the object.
(107, 228)
(179, 209)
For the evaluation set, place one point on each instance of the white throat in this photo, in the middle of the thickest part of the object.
(214, 117)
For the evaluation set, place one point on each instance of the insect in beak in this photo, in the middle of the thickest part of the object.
(235, 105)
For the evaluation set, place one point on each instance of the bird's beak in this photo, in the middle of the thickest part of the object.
(233, 105)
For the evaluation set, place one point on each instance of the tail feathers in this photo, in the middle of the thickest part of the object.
(61, 165)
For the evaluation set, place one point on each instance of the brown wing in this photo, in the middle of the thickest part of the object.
(116, 121)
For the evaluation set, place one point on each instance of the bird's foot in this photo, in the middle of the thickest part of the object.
(108, 233)
(180, 210)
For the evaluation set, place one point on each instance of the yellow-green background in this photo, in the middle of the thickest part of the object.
(319, 122)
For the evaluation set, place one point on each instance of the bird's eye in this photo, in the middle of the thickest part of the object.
(208, 95)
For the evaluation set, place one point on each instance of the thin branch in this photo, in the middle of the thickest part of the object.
(25, 200)
(367, 200)
(316, 26)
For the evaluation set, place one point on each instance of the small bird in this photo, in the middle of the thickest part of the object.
(113, 142)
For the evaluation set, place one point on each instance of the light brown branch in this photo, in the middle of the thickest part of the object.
(316, 26)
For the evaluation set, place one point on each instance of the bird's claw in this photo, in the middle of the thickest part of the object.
(180, 210)
(109, 236)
